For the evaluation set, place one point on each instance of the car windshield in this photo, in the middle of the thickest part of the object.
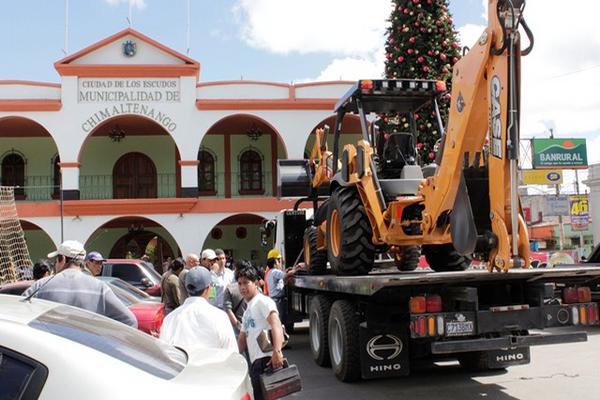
(113, 339)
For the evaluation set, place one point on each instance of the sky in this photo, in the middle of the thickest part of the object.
(315, 40)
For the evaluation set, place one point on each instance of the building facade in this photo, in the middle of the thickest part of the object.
(131, 153)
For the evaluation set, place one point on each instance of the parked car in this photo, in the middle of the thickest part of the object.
(149, 312)
(140, 274)
(54, 351)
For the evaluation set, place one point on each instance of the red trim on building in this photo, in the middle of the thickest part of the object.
(122, 207)
(188, 163)
(282, 104)
(69, 164)
(30, 105)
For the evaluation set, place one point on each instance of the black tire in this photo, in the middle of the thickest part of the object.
(344, 342)
(476, 361)
(318, 333)
(349, 247)
(410, 258)
(315, 259)
(443, 258)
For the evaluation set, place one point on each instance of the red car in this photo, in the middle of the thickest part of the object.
(148, 310)
(138, 273)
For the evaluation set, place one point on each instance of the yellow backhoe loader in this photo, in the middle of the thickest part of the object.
(374, 197)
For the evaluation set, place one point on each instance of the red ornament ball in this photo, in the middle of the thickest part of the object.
(431, 155)
(425, 68)
(454, 45)
(442, 57)
(400, 59)
(412, 39)
(410, 51)
(421, 59)
(429, 52)
(419, 146)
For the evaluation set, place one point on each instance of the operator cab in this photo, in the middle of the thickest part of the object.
(396, 160)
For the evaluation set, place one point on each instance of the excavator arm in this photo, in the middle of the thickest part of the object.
(484, 107)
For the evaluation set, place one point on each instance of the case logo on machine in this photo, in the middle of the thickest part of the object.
(384, 347)
(496, 127)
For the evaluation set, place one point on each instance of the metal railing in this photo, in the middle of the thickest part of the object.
(37, 188)
(100, 187)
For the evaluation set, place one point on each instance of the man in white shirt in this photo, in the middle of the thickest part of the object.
(221, 279)
(196, 323)
(260, 315)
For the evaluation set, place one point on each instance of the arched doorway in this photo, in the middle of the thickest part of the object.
(134, 237)
(134, 177)
(241, 237)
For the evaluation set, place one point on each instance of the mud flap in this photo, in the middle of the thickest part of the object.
(508, 357)
(462, 223)
(383, 353)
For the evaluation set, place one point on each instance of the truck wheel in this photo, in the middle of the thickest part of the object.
(315, 259)
(349, 247)
(443, 257)
(410, 258)
(317, 329)
(344, 341)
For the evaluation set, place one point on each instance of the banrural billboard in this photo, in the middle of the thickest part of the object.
(559, 153)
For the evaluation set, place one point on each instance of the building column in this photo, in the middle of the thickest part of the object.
(189, 178)
(70, 180)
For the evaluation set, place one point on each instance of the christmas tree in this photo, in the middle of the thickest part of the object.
(421, 44)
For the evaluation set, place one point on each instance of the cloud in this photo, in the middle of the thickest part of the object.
(339, 27)
(469, 34)
(139, 4)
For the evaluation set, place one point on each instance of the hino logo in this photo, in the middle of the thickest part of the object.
(379, 344)
(510, 357)
(384, 368)
(496, 127)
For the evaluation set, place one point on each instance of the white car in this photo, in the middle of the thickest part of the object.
(54, 351)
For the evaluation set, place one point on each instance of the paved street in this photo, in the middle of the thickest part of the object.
(556, 372)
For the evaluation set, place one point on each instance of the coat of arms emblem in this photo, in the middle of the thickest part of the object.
(129, 48)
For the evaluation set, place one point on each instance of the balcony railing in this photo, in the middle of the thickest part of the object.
(266, 189)
(100, 187)
(37, 188)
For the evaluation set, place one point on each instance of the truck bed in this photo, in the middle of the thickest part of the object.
(368, 285)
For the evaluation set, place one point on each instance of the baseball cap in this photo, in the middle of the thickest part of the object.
(94, 256)
(209, 254)
(197, 279)
(69, 248)
(274, 253)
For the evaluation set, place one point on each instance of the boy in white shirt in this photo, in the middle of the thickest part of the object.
(261, 314)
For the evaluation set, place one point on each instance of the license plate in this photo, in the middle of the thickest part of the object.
(459, 328)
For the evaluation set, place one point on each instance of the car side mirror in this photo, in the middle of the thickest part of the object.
(146, 282)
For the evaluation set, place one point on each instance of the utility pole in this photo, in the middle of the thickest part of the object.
(561, 229)
(581, 243)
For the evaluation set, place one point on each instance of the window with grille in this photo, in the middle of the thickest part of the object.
(206, 173)
(251, 181)
(13, 173)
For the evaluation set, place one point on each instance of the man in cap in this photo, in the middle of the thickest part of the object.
(93, 263)
(208, 259)
(70, 285)
(196, 323)
(275, 280)
(221, 278)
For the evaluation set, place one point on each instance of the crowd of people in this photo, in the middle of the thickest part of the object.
(208, 302)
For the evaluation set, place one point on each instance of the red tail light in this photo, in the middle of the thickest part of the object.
(418, 305)
(366, 85)
(246, 396)
(434, 303)
(584, 295)
(570, 295)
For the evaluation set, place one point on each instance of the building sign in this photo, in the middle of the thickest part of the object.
(160, 117)
(559, 153)
(580, 212)
(123, 90)
(543, 177)
(557, 206)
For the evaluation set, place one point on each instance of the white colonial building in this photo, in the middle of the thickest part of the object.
(147, 157)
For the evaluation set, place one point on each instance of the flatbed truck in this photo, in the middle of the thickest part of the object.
(379, 325)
